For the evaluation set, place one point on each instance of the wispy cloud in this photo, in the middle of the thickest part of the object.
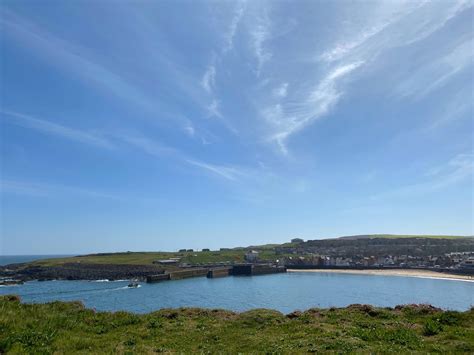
(443, 69)
(458, 169)
(189, 129)
(459, 106)
(209, 79)
(260, 33)
(149, 146)
(35, 189)
(214, 110)
(366, 38)
(319, 101)
(157, 149)
(73, 59)
(55, 129)
(145, 144)
(281, 91)
(228, 172)
(392, 25)
(232, 30)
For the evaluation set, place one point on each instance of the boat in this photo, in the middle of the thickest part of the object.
(133, 284)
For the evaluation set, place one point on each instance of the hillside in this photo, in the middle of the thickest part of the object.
(268, 252)
(399, 236)
(356, 251)
(69, 328)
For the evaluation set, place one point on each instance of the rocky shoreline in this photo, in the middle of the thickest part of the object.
(77, 271)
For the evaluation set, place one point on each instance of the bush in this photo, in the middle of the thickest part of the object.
(450, 318)
(10, 298)
(432, 327)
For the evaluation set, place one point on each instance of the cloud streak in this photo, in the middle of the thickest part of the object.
(35, 189)
(442, 68)
(319, 101)
(208, 81)
(72, 59)
(234, 24)
(458, 169)
(261, 33)
(392, 25)
(147, 145)
(55, 129)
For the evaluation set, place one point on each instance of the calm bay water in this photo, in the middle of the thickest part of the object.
(283, 292)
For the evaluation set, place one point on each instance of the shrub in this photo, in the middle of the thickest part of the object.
(432, 327)
(450, 318)
(10, 298)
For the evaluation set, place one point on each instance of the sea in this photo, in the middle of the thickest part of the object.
(284, 292)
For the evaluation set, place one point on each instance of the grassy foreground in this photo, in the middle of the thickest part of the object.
(60, 327)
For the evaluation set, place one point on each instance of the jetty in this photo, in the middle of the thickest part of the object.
(215, 272)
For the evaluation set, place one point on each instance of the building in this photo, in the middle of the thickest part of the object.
(467, 264)
(251, 256)
(170, 261)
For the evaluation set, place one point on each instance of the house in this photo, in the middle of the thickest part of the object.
(251, 256)
(467, 264)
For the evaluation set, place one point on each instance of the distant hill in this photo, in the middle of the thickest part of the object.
(397, 236)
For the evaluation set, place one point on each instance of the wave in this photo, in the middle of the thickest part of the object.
(107, 280)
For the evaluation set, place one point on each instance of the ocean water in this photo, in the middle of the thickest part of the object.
(284, 292)
(13, 259)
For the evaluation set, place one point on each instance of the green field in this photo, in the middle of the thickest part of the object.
(135, 258)
(68, 328)
(144, 258)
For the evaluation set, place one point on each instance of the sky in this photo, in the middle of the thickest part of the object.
(158, 125)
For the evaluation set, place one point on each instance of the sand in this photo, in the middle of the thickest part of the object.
(427, 274)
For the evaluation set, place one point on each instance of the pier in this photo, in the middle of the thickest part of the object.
(215, 272)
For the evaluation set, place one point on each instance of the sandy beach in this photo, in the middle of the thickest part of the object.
(427, 274)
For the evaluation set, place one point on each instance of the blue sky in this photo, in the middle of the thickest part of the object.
(158, 125)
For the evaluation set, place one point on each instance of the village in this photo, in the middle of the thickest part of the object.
(454, 260)
(299, 255)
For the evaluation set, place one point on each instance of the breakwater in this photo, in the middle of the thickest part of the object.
(219, 272)
(256, 269)
(235, 270)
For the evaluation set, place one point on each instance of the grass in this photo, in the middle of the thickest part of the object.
(131, 258)
(147, 258)
(60, 327)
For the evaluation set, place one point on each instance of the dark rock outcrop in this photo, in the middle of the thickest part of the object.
(80, 271)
